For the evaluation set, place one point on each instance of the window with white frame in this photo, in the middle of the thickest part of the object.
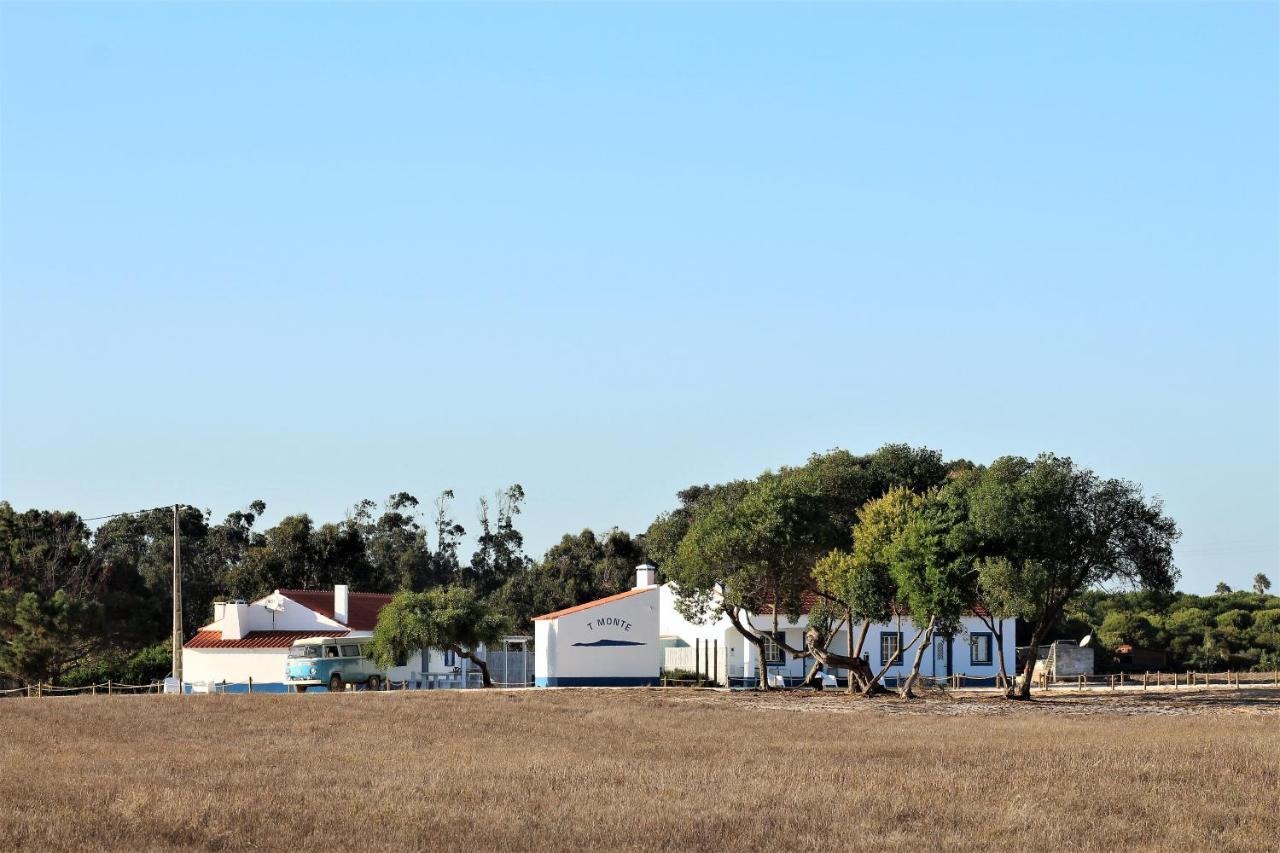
(980, 648)
(890, 643)
(773, 653)
(450, 658)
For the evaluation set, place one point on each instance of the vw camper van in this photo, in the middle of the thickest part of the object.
(332, 662)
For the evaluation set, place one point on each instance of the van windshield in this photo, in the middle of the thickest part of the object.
(304, 651)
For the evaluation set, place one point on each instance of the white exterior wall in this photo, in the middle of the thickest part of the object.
(615, 643)
(742, 653)
(235, 666)
(266, 666)
(241, 619)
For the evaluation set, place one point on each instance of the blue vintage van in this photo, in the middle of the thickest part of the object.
(332, 662)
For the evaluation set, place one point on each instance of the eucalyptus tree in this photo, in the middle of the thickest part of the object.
(499, 553)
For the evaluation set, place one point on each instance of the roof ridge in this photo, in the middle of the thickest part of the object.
(585, 605)
(349, 592)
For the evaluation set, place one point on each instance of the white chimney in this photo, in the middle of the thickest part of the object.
(646, 575)
(235, 620)
(340, 609)
(219, 610)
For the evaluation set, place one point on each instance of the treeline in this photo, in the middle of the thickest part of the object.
(80, 605)
(1226, 630)
(897, 529)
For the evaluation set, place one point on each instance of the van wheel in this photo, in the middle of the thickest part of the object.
(374, 683)
(335, 683)
(301, 688)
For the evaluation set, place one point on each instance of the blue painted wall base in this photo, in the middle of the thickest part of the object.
(602, 681)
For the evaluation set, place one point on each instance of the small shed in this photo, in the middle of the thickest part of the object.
(1064, 659)
(610, 642)
(1131, 658)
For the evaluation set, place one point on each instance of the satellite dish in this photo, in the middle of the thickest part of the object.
(1088, 638)
(274, 601)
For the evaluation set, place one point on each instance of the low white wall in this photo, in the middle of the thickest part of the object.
(266, 666)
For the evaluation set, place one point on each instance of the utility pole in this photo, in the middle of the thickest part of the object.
(177, 598)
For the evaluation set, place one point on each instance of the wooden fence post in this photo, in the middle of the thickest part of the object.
(251, 685)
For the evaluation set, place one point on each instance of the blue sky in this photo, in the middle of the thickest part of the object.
(314, 253)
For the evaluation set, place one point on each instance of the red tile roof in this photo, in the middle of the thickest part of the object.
(595, 603)
(254, 639)
(362, 607)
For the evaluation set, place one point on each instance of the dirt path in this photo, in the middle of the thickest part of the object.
(1183, 702)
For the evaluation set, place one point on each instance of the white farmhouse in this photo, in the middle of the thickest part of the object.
(610, 642)
(627, 639)
(720, 653)
(252, 640)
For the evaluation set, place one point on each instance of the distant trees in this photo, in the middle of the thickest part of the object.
(578, 568)
(80, 604)
(896, 531)
(1222, 589)
(1237, 630)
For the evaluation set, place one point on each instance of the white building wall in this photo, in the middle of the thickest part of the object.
(615, 643)
(241, 619)
(235, 666)
(742, 653)
(266, 667)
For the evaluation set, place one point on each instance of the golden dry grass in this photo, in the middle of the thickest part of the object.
(685, 770)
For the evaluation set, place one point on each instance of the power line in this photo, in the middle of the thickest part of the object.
(119, 514)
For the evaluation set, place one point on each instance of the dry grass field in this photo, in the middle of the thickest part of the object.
(676, 769)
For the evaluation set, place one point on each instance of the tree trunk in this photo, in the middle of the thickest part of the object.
(753, 637)
(813, 679)
(479, 662)
(999, 632)
(1022, 689)
(848, 644)
(905, 691)
(859, 669)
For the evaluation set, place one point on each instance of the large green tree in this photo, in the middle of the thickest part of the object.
(449, 618)
(1062, 529)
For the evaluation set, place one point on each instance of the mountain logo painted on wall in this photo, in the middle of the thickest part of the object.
(599, 643)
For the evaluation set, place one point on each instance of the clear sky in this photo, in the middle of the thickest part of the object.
(314, 253)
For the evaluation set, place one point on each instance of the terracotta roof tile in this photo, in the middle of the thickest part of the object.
(254, 639)
(595, 603)
(362, 607)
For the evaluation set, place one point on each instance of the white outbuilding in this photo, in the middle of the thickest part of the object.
(610, 642)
